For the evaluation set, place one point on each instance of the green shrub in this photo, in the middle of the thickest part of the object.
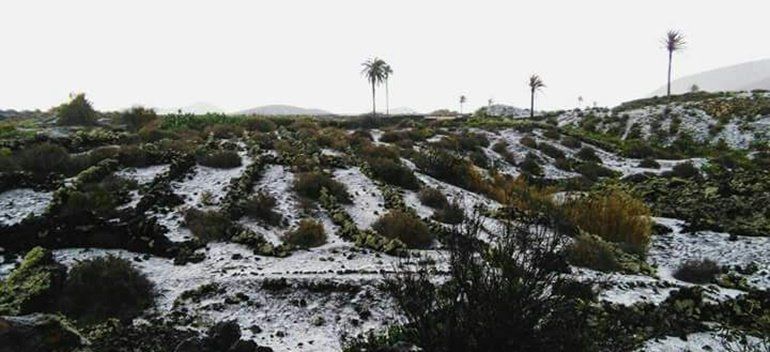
(563, 164)
(649, 163)
(259, 124)
(588, 154)
(700, 271)
(531, 165)
(685, 170)
(551, 133)
(405, 227)
(220, 159)
(224, 131)
(551, 151)
(106, 287)
(571, 142)
(528, 141)
(593, 171)
(34, 286)
(138, 117)
(208, 225)
(309, 233)
(393, 172)
(433, 198)
(594, 253)
(309, 185)
(260, 206)
(95, 198)
(452, 213)
(45, 158)
(78, 111)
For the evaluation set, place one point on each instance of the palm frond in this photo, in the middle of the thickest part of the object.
(674, 41)
(535, 82)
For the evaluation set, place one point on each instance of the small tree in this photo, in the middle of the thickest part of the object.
(463, 99)
(78, 111)
(374, 71)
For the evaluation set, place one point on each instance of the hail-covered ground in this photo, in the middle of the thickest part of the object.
(310, 299)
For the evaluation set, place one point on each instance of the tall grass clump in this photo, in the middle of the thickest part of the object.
(309, 233)
(614, 215)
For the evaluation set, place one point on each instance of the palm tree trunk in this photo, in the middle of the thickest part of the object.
(374, 106)
(387, 98)
(532, 104)
(668, 90)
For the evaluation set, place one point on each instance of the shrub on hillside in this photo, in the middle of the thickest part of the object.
(394, 173)
(551, 151)
(309, 185)
(571, 142)
(260, 206)
(588, 154)
(563, 164)
(615, 216)
(531, 165)
(138, 117)
(594, 253)
(649, 163)
(78, 111)
(94, 198)
(309, 233)
(208, 225)
(223, 131)
(220, 159)
(685, 170)
(433, 198)
(551, 133)
(528, 141)
(593, 171)
(259, 124)
(45, 158)
(451, 213)
(106, 287)
(405, 227)
(34, 285)
(701, 271)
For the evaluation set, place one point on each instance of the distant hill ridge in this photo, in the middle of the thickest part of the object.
(274, 110)
(746, 76)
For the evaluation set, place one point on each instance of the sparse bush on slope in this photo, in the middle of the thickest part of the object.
(309, 233)
(309, 185)
(34, 286)
(208, 225)
(393, 172)
(700, 271)
(405, 227)
(138, 117)
(78, 111)
(260, 206)
(220, 159)
(106, 287)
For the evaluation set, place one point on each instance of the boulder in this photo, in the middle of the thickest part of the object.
(37, 333)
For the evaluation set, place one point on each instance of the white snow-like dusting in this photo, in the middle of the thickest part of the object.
(669, 251)
(207, 180)
(368, 203)
(321, 319)
(17, 204)
(142, 175)
(700, 341)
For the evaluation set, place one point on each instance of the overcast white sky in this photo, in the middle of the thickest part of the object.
(241, 54)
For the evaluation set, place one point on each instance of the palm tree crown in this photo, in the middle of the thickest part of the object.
(674, 41)
(374, 71)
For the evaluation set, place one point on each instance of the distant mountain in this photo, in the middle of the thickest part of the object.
(745, 76)
(199, 108)
(287, 110)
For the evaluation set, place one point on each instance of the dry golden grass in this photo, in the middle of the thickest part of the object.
(615, 216)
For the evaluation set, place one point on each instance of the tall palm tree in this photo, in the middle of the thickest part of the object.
(463, 99)
(674, 41)
(387, 71)
(535, 84)
(374, 71)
